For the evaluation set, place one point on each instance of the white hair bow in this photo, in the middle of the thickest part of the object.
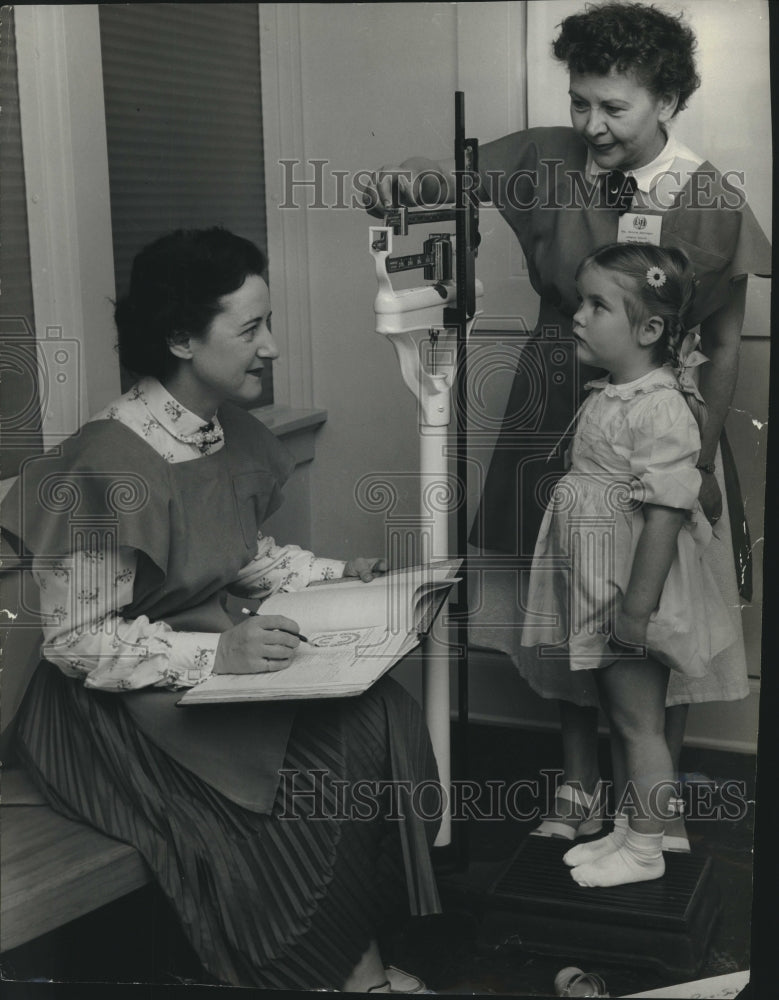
(689, 359)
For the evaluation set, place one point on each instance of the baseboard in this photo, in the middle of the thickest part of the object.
(704, 741)
(499, 696)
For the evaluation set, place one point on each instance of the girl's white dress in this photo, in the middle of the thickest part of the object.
(635, 443)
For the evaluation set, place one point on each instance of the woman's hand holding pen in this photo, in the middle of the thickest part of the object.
(264, 643)
(259, 645)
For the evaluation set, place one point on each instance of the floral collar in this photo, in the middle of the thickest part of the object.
(176, 419)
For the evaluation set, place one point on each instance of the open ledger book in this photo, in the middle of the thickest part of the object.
(356, 632)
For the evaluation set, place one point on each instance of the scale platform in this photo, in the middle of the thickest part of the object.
(666, 923)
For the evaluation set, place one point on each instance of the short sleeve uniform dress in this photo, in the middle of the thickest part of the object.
(265, 901)
(541, 182)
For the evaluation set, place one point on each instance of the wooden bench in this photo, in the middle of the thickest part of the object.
(53, 870)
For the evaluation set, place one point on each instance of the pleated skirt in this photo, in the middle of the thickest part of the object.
(288, 900)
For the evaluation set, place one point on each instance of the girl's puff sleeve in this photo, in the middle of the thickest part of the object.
(666, 445)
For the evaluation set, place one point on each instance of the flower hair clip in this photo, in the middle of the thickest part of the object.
(656, 277)
(689, 359)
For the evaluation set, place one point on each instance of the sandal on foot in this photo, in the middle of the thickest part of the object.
(398, 981)
(676, 843)
(572, 982)
(592, 806)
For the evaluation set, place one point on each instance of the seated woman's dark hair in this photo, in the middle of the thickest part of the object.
(175, 286)
(658, 47)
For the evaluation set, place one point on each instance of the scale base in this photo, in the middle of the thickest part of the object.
(535, 905)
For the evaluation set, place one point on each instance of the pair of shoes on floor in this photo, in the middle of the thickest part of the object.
(573, 802)
(398, 981)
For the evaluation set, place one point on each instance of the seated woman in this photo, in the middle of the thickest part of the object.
(138, 526)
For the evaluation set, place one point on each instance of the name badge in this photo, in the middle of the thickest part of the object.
(639, 227)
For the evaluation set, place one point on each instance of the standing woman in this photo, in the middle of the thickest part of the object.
(138, 528)
(565, 192)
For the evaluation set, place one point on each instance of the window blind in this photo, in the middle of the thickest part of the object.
(183, 122)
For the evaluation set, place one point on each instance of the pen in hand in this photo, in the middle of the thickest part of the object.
(253, 614)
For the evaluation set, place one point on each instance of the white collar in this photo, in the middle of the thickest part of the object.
(176, 419)
(663, 377)
(646, 177)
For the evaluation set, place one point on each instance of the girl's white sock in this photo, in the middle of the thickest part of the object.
(583, 853)
(639, 859)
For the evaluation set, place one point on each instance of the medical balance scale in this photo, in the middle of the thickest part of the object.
(444, 310)
(533, 903)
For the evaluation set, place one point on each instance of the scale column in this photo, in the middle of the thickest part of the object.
(434, 511)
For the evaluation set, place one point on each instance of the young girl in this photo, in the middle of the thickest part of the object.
(617, 583)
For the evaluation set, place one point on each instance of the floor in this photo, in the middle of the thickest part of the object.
(463, 951)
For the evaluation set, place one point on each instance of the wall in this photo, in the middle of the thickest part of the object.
(367, 78)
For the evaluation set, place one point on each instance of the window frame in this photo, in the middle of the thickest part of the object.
(69, 214)
(68, 209)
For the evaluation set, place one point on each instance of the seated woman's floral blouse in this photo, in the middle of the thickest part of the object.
(87, 636)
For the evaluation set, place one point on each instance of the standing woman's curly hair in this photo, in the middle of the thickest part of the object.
(175, 286)
(658, 47)
(658, 281)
